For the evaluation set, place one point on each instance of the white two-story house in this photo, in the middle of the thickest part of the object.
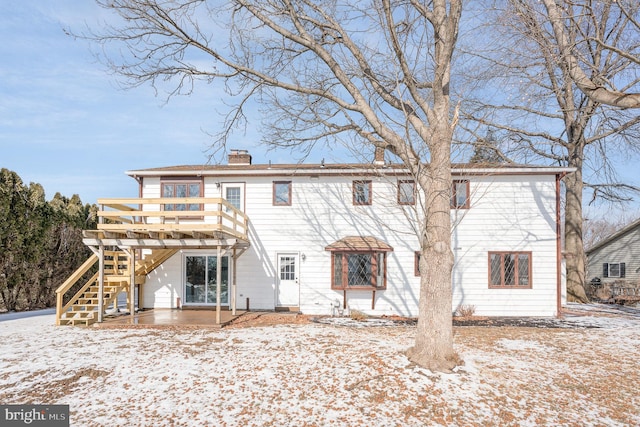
(319, 237)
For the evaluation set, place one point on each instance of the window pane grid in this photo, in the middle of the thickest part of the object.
(496, 271)
(337, 270)
(183, 190)
(510, 270)
(359, 270)
(287, 268)
(233, 196)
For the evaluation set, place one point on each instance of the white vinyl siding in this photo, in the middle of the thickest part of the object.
(506, 214)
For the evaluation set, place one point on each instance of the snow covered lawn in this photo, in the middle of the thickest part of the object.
(584, 373)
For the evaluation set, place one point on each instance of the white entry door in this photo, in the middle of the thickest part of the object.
(288, 287)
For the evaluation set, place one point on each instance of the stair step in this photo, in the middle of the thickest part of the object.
(85, 321)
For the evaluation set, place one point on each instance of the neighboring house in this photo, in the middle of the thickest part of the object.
(316, 237)
(616, 259)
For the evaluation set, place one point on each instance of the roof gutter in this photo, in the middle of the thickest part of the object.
(273, 171)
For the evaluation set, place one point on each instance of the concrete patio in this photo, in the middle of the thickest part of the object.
(171, 317)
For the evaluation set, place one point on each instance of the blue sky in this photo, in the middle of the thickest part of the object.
(66, 124)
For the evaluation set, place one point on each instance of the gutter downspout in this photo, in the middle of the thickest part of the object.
(558, 247)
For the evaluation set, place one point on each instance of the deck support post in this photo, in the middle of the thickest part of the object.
(218, 287)
(233, 294)
(101, 284)
(132, 284)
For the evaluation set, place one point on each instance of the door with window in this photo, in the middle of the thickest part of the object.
(201, 280)
(288, 286)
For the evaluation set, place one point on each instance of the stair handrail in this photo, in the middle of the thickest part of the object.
(72, 280)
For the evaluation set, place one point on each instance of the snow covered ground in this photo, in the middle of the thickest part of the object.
(584, 373)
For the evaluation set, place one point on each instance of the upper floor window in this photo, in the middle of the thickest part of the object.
(460, 195)
(406, 192)
(282, 193)
(361, 192)
(233, 195)
(614, 269)
(510, 270)
(181, 189)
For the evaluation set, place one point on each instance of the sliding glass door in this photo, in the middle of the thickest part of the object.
(200, 281)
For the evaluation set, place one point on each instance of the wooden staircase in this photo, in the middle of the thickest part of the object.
(82, 308)
(85, 310)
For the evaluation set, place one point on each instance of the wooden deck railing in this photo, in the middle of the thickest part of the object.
(72, 280)
(188, 215)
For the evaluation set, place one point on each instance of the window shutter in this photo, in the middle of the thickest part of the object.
(622, 269)
(605, 270)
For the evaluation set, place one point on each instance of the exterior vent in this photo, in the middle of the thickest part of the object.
(239, 157)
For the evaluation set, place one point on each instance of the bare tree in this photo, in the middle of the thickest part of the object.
(326, 70)
(595, 230)
(542, 116)
(601, 91)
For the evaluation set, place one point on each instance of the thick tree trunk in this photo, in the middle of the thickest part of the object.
(434, 340)
(433, 348)
(574, 245)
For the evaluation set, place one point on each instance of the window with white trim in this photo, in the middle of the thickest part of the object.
(614, 270)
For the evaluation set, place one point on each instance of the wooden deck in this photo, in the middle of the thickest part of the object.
(175, 318)
(139, 234)
(147, 223)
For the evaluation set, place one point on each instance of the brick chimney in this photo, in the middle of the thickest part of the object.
(239, 157)
(378, 158)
